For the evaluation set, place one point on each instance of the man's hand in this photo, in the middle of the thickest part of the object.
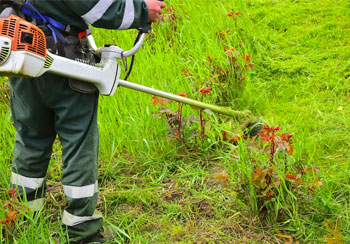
(155, 9)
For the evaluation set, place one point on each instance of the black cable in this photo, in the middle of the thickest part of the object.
(146, 29)
(133, 57)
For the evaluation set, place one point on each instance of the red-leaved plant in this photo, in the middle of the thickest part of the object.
(270, 178)
(203, 92)
(177, 122)
(174, 118)
(12, 210)
(283, 141)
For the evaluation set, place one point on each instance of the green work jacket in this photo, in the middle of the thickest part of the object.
(109, 14)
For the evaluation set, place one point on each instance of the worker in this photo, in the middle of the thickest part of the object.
(51, 105)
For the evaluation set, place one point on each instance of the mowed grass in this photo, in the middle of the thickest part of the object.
(155, 190)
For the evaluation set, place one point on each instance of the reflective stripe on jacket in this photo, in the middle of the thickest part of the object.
(110, 14)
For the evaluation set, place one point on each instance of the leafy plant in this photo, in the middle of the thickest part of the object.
(12, 210)
(203, 92)
(334, 236)
(270, 177)
(275, 141)
(176, 122)
(228, 76)
(182, 128)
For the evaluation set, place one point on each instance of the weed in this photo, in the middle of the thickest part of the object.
(291, 60)
(271, 178)
(4, 90)
(12, 210)
(182, 128)
(230, 75)
(174, 118)
(287, 239)
(275, 141)
(203, 92)
(334, 236)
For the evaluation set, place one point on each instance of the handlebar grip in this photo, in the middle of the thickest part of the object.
(148, 27)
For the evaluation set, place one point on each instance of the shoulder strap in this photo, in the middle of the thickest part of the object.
(55, 26)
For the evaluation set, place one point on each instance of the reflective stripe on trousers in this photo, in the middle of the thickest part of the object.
(72, 220)
(36, 204)
(33, 184)
(23, 181)
(77, 192)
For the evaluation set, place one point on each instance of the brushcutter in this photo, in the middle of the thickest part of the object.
(23, 52)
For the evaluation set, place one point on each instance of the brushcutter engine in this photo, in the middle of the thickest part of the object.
(23, 53)
(22, 48)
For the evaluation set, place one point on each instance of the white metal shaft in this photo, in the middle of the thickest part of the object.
(198, 104)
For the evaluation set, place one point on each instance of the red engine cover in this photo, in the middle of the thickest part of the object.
(24, 35)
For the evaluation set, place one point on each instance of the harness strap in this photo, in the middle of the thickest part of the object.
(54, 25)
(26, 7)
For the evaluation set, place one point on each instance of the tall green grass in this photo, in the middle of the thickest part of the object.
(155, 190)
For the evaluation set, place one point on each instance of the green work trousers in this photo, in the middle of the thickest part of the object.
(43, 108)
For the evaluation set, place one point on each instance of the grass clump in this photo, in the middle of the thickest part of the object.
(288, 63)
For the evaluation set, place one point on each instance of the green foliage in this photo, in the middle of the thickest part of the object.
(288, 62)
